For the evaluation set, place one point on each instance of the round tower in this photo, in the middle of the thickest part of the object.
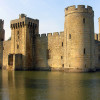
(79, 38)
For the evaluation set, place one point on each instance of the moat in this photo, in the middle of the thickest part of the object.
(29, 85)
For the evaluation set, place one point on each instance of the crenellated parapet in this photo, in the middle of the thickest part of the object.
(54, 34)
(78, 9)
(24, 21)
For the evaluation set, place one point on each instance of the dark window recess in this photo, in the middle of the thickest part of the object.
(23, 24)
(99, 58)
(17, 32)
(69, 65)
(62, 65)
(69, 36)
(18, 24)
(17, 46)
(48, 54)
(99, 48)
(62, 44)
(10, 59)
(1, 39)
(85, 65)
(61, 57)
(84, 20)
(84, 51)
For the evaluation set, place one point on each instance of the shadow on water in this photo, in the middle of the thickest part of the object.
(28, 85)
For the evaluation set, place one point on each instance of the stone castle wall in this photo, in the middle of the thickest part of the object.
(49, 50)
(71, 50)
(6, 52)
(97, 50)
(1, 54)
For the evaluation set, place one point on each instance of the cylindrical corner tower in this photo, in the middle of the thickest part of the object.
(79, 38)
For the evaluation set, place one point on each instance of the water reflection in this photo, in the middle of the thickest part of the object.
(49, 86)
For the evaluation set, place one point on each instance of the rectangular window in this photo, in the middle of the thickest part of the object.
(62, 44)
(99, 58)
(85, 65)
(17, 46)
(10, 59)
(84, 20)
(99, 48)
(48, 54)
(84, 51)
(69, 36)
(17, 32)
(61, 57)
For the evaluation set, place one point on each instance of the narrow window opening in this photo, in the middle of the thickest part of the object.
(84, 20)
(17, 32)
(17, 46)
(62, 65)
(69, 36)
(85, 65)
(61, 57)
(10, 59)
(1, 39)
(18, 24)
(99, 58)
(48, 54)
(99, 48)
(23, 24)
(84, 51)
(62, 44)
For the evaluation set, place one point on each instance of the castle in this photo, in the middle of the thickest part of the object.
(76, 49)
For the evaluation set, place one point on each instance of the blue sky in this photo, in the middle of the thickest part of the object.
(49, 12)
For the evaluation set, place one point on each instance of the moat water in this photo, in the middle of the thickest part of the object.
(29, 85)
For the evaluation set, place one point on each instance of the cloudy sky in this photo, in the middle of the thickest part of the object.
(49, 12)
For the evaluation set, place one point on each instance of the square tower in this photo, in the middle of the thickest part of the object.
(23, 31)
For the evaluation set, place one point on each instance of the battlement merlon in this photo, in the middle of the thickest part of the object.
(78, 9)
(23, 20)
(50, 34)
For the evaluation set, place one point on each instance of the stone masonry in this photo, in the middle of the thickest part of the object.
(76, 49)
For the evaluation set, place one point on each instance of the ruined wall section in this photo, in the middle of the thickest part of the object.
(49, 51)
(6, 52)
